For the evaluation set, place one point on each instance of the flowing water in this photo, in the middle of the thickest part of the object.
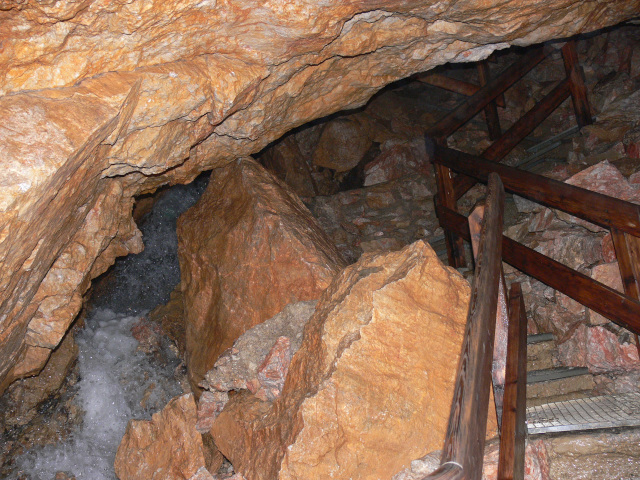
(117, 381)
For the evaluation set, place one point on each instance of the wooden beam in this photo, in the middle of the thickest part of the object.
(594, 207)
(514, 429)
(608, 302)
(628, 254)
(455, 245)
(575, 74)
(466, 431)
(498, 366)
(491, 110)
(470, 107)
(518, 131)
(454, 85)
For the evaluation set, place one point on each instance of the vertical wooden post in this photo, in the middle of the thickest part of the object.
(628, 253)
(498, 366)
(446, 197)
(575, 74)
(491, 110)
(513, 431)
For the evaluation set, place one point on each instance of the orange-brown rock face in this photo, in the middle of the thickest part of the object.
(247, 248)
(370, 388)
(167, 447)
(104, 99)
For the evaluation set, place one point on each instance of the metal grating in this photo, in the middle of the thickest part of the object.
(585, 414)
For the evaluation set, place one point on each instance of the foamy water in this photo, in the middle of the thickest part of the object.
(114, 375)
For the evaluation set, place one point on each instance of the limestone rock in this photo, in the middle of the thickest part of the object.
(245, 365)
(247, 248)
(167, 447)
(121, 98)
(398, 160)
(342, 144)
(371, 386)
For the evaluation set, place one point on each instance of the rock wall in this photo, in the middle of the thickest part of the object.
(104, 100)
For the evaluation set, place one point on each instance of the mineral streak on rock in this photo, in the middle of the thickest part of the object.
(106, 100)
(370, 388)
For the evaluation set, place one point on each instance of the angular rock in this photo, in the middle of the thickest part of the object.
(247, 248)
(245, 366)
(167, 447)
(99, 96)
(371, 386)
(342, 144)
(606, 179)
(599, 349)
(609, 274)
(398, 160)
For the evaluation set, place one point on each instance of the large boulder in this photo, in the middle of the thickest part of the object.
(247, 248)
(99, 96)
(370, 388)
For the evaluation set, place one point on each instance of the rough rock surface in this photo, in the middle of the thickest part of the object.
(240, 367)
(167, 447)
(106, 100)
(247, 248)
(371, 386)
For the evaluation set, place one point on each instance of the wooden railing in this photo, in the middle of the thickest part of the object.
(464, 444)
(622, 218)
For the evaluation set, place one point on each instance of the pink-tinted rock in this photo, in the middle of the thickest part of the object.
(606, 179)
(167, 447)
(353, 405)
(273, 370)
(247, 248)
(608, 251)
(258, 361)
(599, 349)
(609, 274)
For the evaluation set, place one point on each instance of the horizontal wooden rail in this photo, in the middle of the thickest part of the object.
(523, 127)
(608, 302)
(454, 85)
(594, 207)
(474, 104)
(464, 443)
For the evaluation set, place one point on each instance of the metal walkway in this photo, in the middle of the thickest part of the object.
(607, 411)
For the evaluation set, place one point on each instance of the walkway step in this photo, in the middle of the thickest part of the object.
(549, 374)
(558, 384)
(607, 411)
(540, 351)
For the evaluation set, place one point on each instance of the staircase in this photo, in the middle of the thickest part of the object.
(562, 399)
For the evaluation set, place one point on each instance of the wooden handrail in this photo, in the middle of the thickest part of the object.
(464, 443)
(474, 104)
(513, 429)
(608, 302)
(594, 207)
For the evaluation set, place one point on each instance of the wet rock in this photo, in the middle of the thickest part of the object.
(166, 447)
(247, 248)
(353, 405)
(170, 317)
